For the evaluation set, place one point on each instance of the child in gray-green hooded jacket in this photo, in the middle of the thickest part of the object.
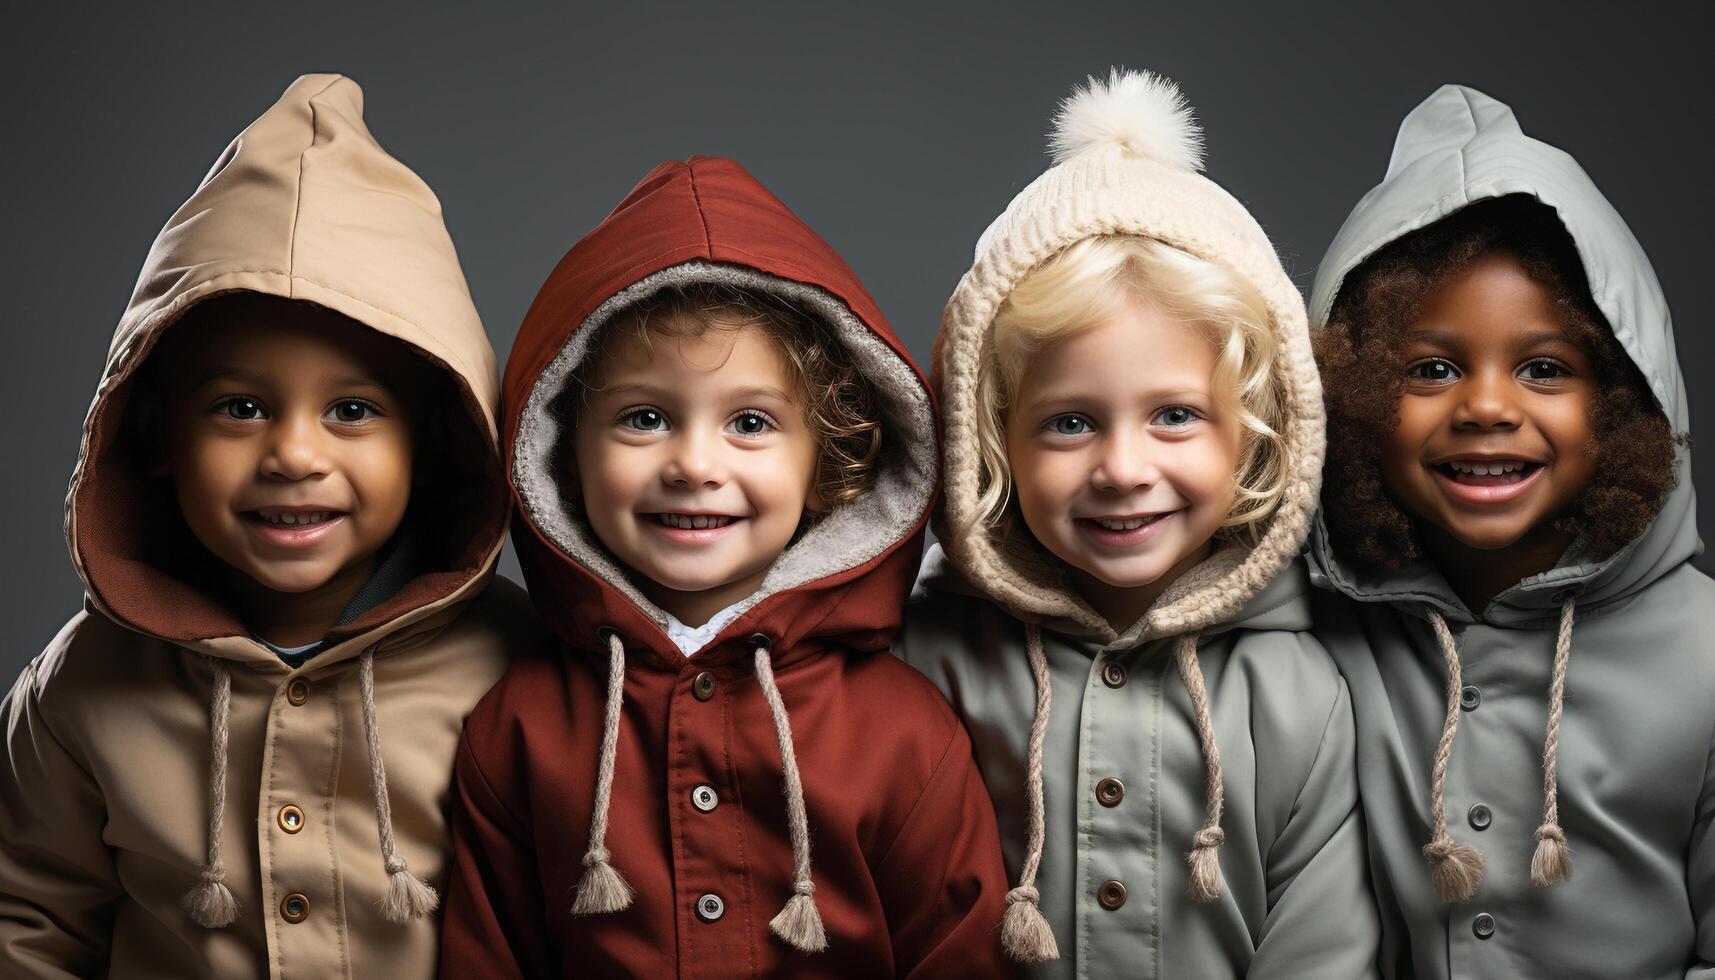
(1506, 538)
(1133, 441)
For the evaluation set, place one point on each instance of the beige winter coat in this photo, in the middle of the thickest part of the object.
(114, 733)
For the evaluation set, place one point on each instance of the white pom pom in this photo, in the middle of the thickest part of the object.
(1138, 111)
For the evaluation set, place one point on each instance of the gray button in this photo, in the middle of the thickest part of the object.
(1483, 925)
(704, 798)
(703, 686)
(1480, 817)
(1113, 675)
(710, 908)
(1470, 697)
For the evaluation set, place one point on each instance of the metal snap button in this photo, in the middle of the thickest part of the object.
(710, 908)
(704, 798)
(1110, 791)
(1480, 817)
(1470, 697)
(291, 818)
(703, 686)
(295, 907)
(298, 692)
(1483, 925)
(1113, 675)
(1111, 895)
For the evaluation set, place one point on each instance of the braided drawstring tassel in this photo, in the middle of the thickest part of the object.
(1024, 930)
(602, 889)
(1456, 869)
(800, 922)
(408, 896)
(1205, 860)
(1552, 861)
(210, 903)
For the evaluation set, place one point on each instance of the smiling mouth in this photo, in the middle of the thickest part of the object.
(694, 522)
(1125, 523)
(1492, 473)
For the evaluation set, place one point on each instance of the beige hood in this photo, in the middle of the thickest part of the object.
(304, 205)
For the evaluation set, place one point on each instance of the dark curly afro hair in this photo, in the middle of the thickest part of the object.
(1363, 341)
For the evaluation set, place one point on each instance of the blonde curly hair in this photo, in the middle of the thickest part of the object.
(1087, 282)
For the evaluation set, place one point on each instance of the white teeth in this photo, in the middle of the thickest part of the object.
(694, 522)
(292, 520)
(1488, 469)
(1128, 524)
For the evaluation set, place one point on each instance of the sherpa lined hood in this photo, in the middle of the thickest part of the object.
(1127, 162)
(1457, 148)
(840, 585)
(302, 205)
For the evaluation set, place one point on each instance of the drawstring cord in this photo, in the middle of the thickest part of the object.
(210, 902)
(1457, 869)
(1205, 882)
(602, 889)
(799, 922)
(1024, 930)
(408, 896)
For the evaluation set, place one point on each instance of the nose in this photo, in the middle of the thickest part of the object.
(694, 462)
(297, 447)
(1123, 464)
(1487, 400)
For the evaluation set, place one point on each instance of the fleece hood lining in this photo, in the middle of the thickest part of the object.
(846, 538)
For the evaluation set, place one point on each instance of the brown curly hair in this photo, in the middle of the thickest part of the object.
(840, 404)
(1634, 444)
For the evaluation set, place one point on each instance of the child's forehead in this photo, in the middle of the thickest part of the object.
(713, 352)
(281, 341)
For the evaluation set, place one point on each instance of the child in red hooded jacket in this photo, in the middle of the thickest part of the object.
(723, 460)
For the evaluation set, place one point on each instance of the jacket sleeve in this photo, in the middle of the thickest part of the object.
(1322, 919)
(942, 882)
(1700, 873)
(59, 886)
(494, 924)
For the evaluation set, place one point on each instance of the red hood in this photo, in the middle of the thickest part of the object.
(842, 584)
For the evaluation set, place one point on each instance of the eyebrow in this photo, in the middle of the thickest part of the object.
(1446, 338)
(240, 374)
(748, 391)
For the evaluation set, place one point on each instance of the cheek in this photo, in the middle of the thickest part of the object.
(1042, 480)
(383, 469)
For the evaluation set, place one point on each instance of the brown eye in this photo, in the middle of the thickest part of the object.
(1542, 370)
(351, 411)
(242, 409)
(1434, 372)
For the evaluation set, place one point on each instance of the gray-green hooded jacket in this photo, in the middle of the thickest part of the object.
(1634, 777)
(1196, 813)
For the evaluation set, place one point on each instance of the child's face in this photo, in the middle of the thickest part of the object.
(290, 455)
(1122, 456)
(695, 463)
(1495, 383)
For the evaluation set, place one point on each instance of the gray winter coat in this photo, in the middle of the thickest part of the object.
(1636, 787)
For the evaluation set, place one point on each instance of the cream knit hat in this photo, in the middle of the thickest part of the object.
(1127, 157)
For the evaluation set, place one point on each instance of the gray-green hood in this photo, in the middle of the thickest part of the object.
(1457, 148)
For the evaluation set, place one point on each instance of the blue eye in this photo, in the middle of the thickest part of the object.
(1542, 369)
(1069, 425)
(1435, 372)
(352, 411)
(242, 409)
(751, 423)
(644, 420)
(1175, 417)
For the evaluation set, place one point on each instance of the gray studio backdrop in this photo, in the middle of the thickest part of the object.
(897, 132)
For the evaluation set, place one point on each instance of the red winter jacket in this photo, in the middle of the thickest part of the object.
(903, 863)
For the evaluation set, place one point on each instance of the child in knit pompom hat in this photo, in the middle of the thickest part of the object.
(1133, 443)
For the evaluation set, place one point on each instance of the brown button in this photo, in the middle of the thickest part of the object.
(298, 692)
(291, 818)
(1110, 791)
(1113, 675)
(1111, 895)
(295, 907)
(703, 686)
